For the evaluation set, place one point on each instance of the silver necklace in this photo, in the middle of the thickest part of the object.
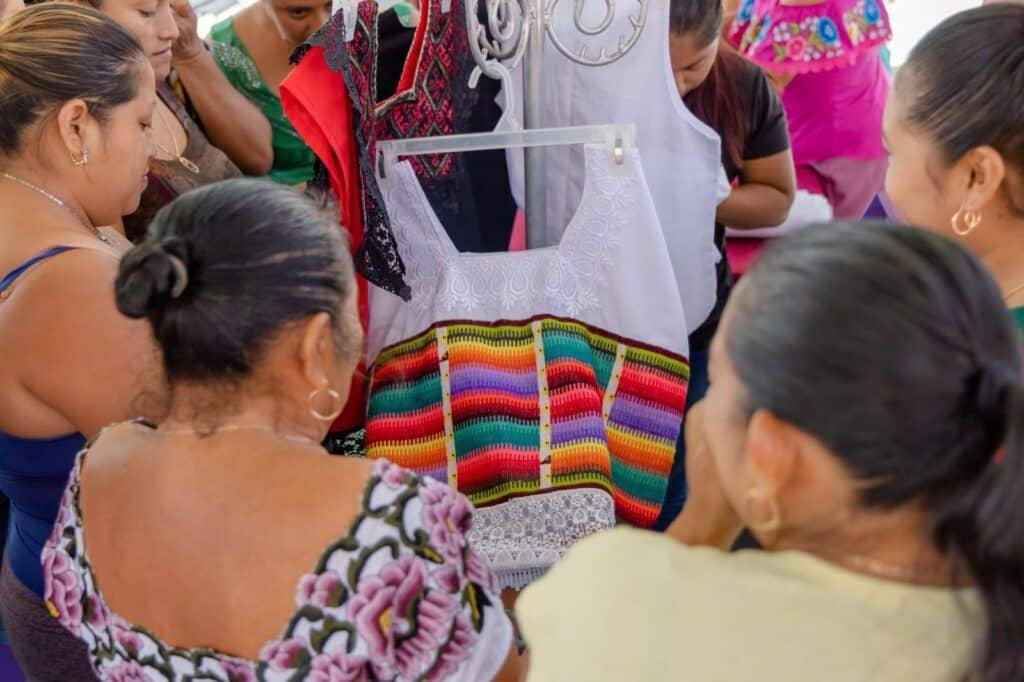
(78, 216)
(239, 427)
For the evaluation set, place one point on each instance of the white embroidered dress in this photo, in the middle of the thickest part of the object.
(609, 278)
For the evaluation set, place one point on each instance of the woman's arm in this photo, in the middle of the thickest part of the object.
(91, 365)
(765, 195)
(232, 122)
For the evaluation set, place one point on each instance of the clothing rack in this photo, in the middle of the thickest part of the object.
(515, 31)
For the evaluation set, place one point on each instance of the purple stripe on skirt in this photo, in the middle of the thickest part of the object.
(647, 418)
(588, 428)
(470, 378)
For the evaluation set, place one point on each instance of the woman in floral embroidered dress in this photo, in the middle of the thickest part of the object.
(248, 554)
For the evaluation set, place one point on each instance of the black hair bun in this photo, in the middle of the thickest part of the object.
(149, 278)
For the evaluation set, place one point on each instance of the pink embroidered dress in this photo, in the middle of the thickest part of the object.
(400, 597)
(836, 100)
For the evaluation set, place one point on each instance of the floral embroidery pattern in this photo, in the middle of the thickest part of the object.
(569, 277)
(746, 10)
(806, 38)
(401, 597)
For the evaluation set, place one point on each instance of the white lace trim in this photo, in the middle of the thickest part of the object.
(563, 280)
(524, 537)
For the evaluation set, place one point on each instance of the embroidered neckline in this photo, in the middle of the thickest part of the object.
(198, 653)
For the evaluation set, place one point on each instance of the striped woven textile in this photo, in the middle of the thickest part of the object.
(518, 408)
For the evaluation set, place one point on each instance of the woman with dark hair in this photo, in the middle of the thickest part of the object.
(954, 128)
(866, 422)
(254, 49)
(185, 157)
(229, 547)
(76, 104)
(735, 99)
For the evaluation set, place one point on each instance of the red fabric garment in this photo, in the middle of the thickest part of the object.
(316, 102)
(330, 99)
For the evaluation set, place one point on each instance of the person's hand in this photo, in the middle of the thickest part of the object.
(708, 517)
(189, 45)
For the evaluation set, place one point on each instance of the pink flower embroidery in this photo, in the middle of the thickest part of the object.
(480, 573)
(63, 517)
(62, 591)
(392, 474)
(458, 649)
(448, 578)
(446, 514)
(97, 617)
(319, 590)
(796, 48)
(338, 666)
(126, 672)
(238, 671)
(387, 605)
(129, 640)
(286, 655)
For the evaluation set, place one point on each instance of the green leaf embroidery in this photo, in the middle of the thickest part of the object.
(319, 638)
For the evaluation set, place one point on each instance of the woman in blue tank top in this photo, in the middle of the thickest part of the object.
(76, 102)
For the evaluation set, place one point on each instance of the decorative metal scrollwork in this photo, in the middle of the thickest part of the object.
(506, 34)
(604, 55)
(507, 31)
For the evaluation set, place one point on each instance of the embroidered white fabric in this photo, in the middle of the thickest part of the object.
(523, 537)
(681, 155)
(593, 275)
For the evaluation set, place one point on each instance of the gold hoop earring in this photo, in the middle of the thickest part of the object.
(755, 496)
(83, 159)
(971, 220)
(335, 399)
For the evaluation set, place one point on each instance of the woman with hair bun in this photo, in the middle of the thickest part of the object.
(229, 546)
(76, 103)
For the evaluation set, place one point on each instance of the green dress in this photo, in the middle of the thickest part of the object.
(293, 160)
(1018, 314)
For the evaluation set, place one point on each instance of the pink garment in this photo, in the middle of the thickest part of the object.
(518, 240)
(838, 113)
(837, 96)
(850, 185)
(743, 253)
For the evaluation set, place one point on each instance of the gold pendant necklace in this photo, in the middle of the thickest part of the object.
(60, 202)
(176, 154)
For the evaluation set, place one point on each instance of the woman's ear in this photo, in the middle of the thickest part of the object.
(985, 173)
(772, 451)
(74, 122)
(316, 350)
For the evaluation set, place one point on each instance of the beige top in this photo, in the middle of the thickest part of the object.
(632, 605)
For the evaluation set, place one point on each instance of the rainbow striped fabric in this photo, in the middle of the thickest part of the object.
(518, 408)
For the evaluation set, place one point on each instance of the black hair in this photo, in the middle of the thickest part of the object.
(224, 267)
(963, 86)
(717, 101)
(894, 348)
(53, 53)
